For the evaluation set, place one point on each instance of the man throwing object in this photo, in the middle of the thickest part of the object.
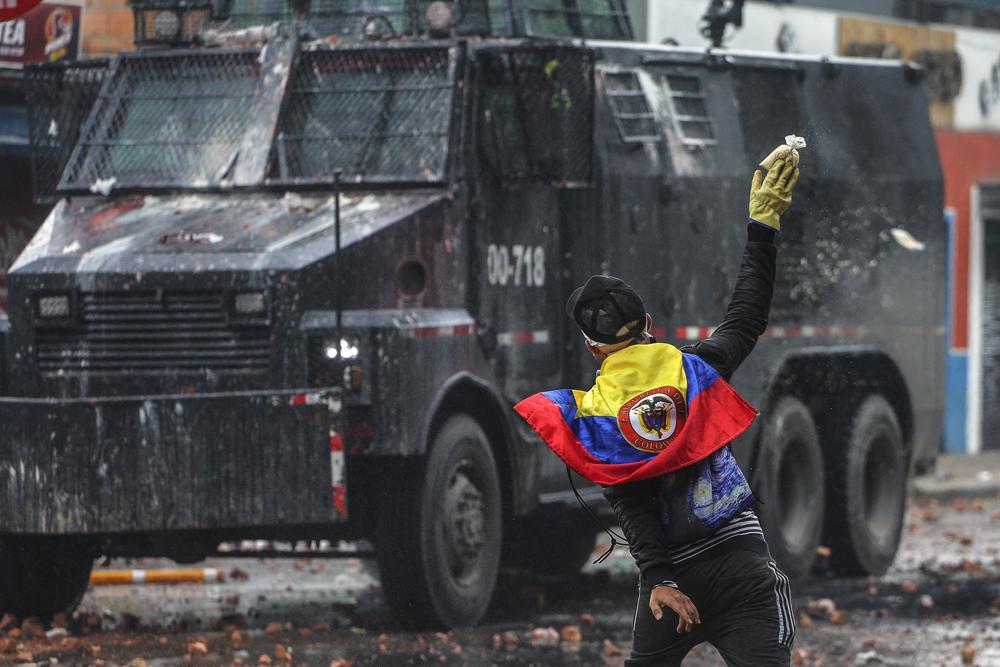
(655, 429)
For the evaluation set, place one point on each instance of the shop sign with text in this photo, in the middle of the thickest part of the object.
(46, 33)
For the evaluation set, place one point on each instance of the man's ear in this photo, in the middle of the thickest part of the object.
(649, 322)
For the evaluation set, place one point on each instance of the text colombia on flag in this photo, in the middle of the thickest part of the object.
(653, 410)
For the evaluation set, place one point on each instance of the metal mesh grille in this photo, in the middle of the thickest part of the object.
(539, 113)
(393, 17)
(150, 332)
(375, 115)
(59, 96)
(169, 120)
(595, 19)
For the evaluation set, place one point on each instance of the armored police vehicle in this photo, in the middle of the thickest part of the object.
(296, 276)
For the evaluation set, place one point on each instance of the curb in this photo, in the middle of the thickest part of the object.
(949, 489)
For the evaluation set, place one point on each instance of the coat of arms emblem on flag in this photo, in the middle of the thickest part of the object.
(653, 410)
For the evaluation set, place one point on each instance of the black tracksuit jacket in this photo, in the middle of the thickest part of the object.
(637, 505)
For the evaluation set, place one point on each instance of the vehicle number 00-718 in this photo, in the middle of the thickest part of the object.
(516, 264)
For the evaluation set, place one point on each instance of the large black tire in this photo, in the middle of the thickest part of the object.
(438, 544)
(41, 577)
(790, 483)
(866, 489)
(558, 544)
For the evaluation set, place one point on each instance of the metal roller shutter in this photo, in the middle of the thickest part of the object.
(989, 204)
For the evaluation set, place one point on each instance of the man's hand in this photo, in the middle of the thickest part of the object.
(668, 596)
(770, 197)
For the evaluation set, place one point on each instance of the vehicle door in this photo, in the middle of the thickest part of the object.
(533, 127)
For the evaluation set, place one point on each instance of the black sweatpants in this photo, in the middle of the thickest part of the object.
(745, 608)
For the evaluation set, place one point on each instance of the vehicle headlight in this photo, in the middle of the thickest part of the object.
(249, 303)
(335, 361)
(347, 350)
(54, 307)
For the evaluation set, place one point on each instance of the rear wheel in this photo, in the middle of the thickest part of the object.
(867, 465)
(438, 543)
(790, 482)
(42, 577)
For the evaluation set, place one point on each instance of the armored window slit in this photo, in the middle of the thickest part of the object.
(634, 119)
(688, 112)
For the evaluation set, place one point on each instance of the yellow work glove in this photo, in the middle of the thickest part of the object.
(780, 153)
(770, 197)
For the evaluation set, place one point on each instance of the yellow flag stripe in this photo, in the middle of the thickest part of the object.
(630, 372)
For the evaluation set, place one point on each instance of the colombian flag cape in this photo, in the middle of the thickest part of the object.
(653, 410)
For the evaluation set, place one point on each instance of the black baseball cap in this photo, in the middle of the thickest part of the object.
(605, 304)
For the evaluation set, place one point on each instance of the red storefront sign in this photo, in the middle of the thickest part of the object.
(46, 33)
(12, 8)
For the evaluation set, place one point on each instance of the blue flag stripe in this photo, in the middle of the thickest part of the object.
(566, 402)
(700, 376)
(603, 439)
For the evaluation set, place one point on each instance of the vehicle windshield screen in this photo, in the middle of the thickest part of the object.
(171, 120)
(192, 120)
(375, 115)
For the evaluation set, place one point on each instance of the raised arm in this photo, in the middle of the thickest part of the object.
(746, 317)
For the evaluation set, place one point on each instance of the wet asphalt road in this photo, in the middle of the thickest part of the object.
(941, 598)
